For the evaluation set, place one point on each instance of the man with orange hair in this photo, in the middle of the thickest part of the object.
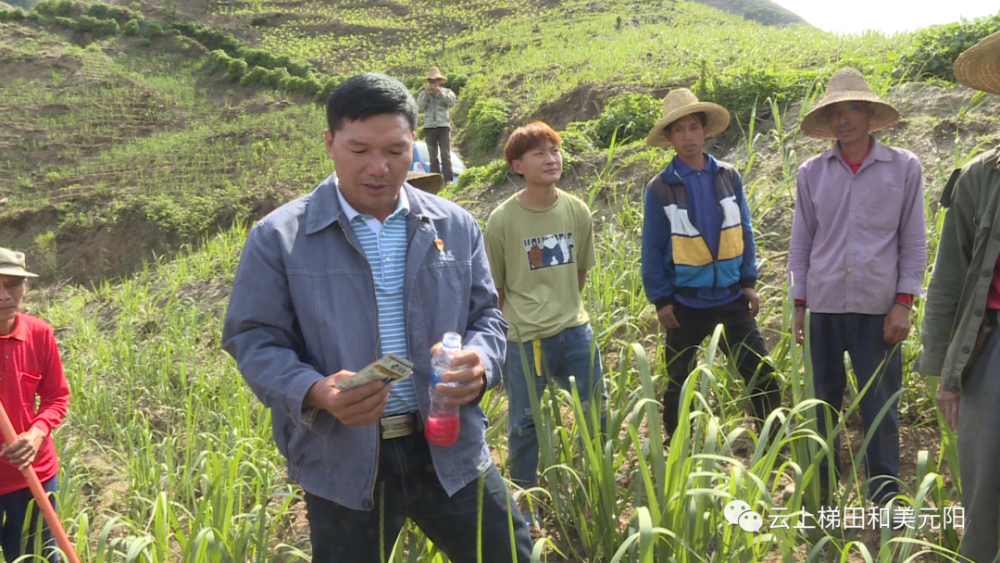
(540, 245)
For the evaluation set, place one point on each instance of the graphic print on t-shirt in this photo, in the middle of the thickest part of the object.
(549, 250)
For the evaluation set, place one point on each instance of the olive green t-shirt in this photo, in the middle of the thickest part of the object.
(536, 257)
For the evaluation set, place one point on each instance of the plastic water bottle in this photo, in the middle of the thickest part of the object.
(443, 421)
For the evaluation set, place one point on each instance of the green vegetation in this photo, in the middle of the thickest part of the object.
(114, 153)
(626, 117)
(486, 121)
(933, 50)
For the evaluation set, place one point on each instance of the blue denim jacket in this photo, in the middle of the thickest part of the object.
(303, 307)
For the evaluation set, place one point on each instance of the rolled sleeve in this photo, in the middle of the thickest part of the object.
(261, 333)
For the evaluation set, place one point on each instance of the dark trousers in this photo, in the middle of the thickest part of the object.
(439, 139)
(13, 510)
(978, 455)
(861, 337)
(745, 342)
(462, 526)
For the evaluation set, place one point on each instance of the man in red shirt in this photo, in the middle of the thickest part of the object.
(30, 373)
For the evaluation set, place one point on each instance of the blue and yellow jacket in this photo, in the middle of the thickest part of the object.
(675, 257)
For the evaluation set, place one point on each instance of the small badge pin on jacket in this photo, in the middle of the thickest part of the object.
(439, 244)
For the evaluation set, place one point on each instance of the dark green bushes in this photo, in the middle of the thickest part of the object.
(740, 90)
(486, 121)
(933, 51)
(626, 117)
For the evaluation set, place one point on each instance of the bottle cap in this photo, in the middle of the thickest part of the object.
(452, 341)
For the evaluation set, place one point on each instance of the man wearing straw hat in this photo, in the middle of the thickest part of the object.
(857, 258)
(434, 102)
(30, 372)
(961, 343)
(699, 264)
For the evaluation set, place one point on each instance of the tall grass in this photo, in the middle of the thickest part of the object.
(167, 455)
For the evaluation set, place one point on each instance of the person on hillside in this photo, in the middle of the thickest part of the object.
(540, 243)
(35, 395)
(857, 259)
(699, 264)
(434, 102)
(961, 343)
(364, 266)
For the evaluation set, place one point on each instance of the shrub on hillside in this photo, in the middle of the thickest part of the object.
(933, 51)
(328, 86)
(109, 27)
(17, 14)
(65, 22)
(86, 23)
(131, 27)
(119, 14)
(154, 30)
(267, 59)
(264, 77)
(741, 90)
(578, 138)
(210, 38)
(299, 85)
(237, 69)
(219, 60)
(490, 174)
(53, 8)
(626, 117)
(486, 121)
(99, 10)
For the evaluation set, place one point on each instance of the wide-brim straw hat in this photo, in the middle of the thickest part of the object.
(681, 103)
(435, 74)
(979, 66)
(430, 182)
(12, 264)
(847, 85)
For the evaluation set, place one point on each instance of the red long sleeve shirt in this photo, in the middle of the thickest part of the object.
(31, 374)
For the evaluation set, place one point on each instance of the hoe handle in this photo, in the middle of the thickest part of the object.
(41, 499)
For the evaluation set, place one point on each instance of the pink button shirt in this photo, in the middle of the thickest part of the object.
(858, 239)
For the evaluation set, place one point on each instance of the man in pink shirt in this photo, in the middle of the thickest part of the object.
(858, 255)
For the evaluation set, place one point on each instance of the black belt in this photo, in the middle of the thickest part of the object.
(693, 291)
(399, 425)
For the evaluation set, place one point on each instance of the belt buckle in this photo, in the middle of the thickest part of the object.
(397, 426)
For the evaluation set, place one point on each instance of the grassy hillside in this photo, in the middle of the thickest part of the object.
(130, 147)
(112, 139)
(760, 11)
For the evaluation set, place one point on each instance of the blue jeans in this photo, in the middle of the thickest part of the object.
(565, 354)
(13, 510)
(408, 487)
(861, 337)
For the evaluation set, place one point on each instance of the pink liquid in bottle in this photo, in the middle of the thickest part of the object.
(442, 429)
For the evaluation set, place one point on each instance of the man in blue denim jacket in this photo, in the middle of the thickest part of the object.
(363, 266)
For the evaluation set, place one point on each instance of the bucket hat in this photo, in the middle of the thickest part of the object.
(12, 264)
(681, 103)
(979, 66)
(847, 85)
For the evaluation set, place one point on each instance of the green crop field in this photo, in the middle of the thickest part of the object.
(134, 160)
